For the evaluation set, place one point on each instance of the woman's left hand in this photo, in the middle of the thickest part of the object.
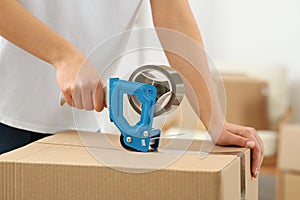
(233, 134)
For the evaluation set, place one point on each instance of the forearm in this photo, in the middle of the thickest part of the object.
(176, 15)
(24, 30)
(187, 57)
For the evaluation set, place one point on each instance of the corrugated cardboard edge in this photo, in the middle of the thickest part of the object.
(227, 178)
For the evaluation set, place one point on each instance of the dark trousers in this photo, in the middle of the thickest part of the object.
(12, 138)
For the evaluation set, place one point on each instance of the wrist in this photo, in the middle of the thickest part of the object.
(67, 56)
(214, 124)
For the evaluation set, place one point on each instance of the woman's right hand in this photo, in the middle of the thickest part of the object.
(80, 83)
(77, 78)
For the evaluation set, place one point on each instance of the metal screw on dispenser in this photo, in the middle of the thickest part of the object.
(128, 139)
(146, 134)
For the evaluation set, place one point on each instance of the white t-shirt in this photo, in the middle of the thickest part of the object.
(28, 87)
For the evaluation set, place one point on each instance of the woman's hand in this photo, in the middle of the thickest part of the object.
(80, 83)
(245, 137)
(77, 78)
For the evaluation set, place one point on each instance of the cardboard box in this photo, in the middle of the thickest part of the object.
(291, 186)
(246, 100)
(289, 189)
(288, 162)
(289, 148)
(246, 104)
(94, 166)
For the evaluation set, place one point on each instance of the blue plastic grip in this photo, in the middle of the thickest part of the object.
(146, 94)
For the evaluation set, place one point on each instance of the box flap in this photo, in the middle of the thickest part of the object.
(102, 140)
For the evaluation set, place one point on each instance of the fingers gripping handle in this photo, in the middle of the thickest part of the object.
(62, 99)
(136, 137)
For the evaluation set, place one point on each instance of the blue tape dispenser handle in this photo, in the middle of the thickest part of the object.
(136, 137)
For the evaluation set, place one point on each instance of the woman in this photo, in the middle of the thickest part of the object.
(41, 34)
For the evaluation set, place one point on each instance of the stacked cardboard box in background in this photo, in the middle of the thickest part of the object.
(246, 103)
(246, 100)
(289, 163)
(64, 166)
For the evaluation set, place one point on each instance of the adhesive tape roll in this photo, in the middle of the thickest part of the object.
(168, 83)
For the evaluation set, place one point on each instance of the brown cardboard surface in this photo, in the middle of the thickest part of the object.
(64, 166)
(246, 100)
(291, 182)
(288, 156)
